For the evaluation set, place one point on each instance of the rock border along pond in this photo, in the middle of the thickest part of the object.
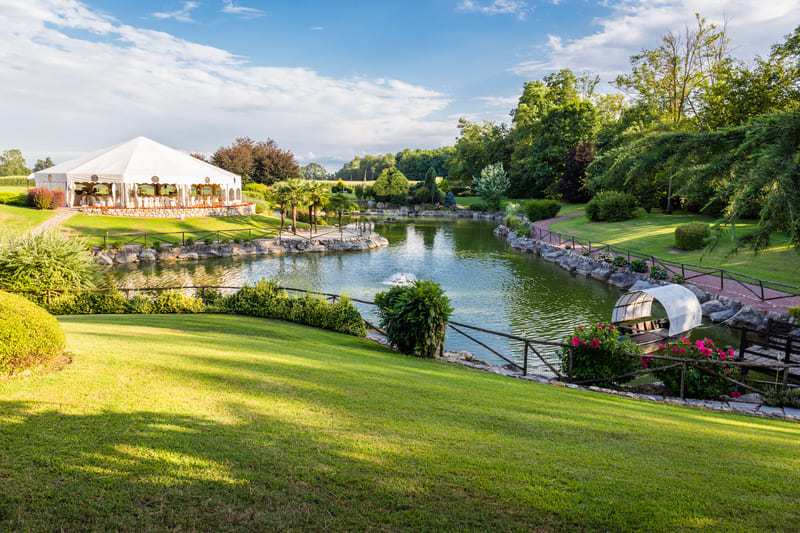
(720, 309)
(136, 253)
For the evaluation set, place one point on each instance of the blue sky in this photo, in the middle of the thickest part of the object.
(327, 80)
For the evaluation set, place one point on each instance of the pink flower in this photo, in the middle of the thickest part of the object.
(585, 343)
(674, 350)
(683, 351)
(731, 352)
(660, 346)
(580, 328)
(601, 326)
(611, 327)
(736, 394)
(595, 342)
(576, 341)
(644, 363)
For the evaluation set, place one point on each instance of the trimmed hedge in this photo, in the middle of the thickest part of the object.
(541, 209)
(13, 198)
(266, 300)
(612, 206)
(29, 335)
(692, 236)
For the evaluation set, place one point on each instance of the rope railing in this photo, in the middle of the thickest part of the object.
(688, 271)
(529, 344)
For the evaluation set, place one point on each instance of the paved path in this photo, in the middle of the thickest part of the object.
(62, 214)
(747, 293)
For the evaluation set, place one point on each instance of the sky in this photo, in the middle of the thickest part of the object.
(328, 80)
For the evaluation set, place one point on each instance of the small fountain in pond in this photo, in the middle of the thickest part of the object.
(401, 278)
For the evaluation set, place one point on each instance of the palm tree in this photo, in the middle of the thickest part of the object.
(318, 196)
(277, 197)
(295, 192)
(340, 203)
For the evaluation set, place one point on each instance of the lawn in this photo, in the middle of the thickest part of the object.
(234, 226)
(21, 218)
(654, 234)
(220, 423)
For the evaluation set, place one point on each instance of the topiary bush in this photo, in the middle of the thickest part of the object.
(639, 266)
(611, 206)
(29, 335)
(700, 384)
(414, 317)
(692, 236)
(598, 352)
(13, 198)
(524, 230)
(794, 312)
(541, 209)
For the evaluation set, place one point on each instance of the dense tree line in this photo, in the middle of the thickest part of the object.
(257, 161)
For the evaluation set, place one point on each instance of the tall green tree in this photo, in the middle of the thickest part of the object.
(339, 203)
(13, 164)
(672, 76)
(478, 145)
(313, 172)
(42, 164)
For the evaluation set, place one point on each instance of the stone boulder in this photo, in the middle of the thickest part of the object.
(104, 259)
(602, 272)
(128, 254)
(702, 296)
(721, 316)
(747, 317)
(623, 280)
(147, 255)
(712, 306)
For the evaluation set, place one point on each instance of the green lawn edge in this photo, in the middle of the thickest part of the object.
(217, 422)
(654, 234)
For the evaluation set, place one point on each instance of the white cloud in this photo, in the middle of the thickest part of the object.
(318, 28)
(632, 25)
(83, 81)
(247, 12)
(182, 15)
(497, 7)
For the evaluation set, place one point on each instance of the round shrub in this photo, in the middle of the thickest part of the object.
(611, 206)
(692, 236)
(541, 209)
(414, 317)
(599, 352)
(29, 335)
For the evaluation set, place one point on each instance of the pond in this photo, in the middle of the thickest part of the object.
(490, 285)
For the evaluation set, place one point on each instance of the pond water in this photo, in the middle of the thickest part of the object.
(490, 285)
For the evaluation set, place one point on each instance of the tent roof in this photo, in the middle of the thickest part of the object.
(137, 161)
(682, 306)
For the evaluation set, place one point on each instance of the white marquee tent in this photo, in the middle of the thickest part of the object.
(141, 173)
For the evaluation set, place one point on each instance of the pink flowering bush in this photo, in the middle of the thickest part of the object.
(598, 352)
(698, 384)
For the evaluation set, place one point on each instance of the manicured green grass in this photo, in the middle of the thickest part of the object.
(217, 423)
(13, 217)
(234, 226)
(654, 234)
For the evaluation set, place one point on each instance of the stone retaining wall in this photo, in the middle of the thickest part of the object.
(718, 308)
(135, 253)
(173, 212)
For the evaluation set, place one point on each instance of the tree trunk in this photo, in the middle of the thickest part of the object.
(294, 218)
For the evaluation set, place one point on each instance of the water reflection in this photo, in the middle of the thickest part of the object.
(491, 285)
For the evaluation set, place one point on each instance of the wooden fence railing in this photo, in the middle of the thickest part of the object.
(761, 289)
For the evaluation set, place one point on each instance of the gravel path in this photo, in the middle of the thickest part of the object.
(747, 293)
(62, 214)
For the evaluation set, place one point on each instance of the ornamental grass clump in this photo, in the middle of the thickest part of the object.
(599, 352)
(46, 260)
(705, 376)
(414, 317)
